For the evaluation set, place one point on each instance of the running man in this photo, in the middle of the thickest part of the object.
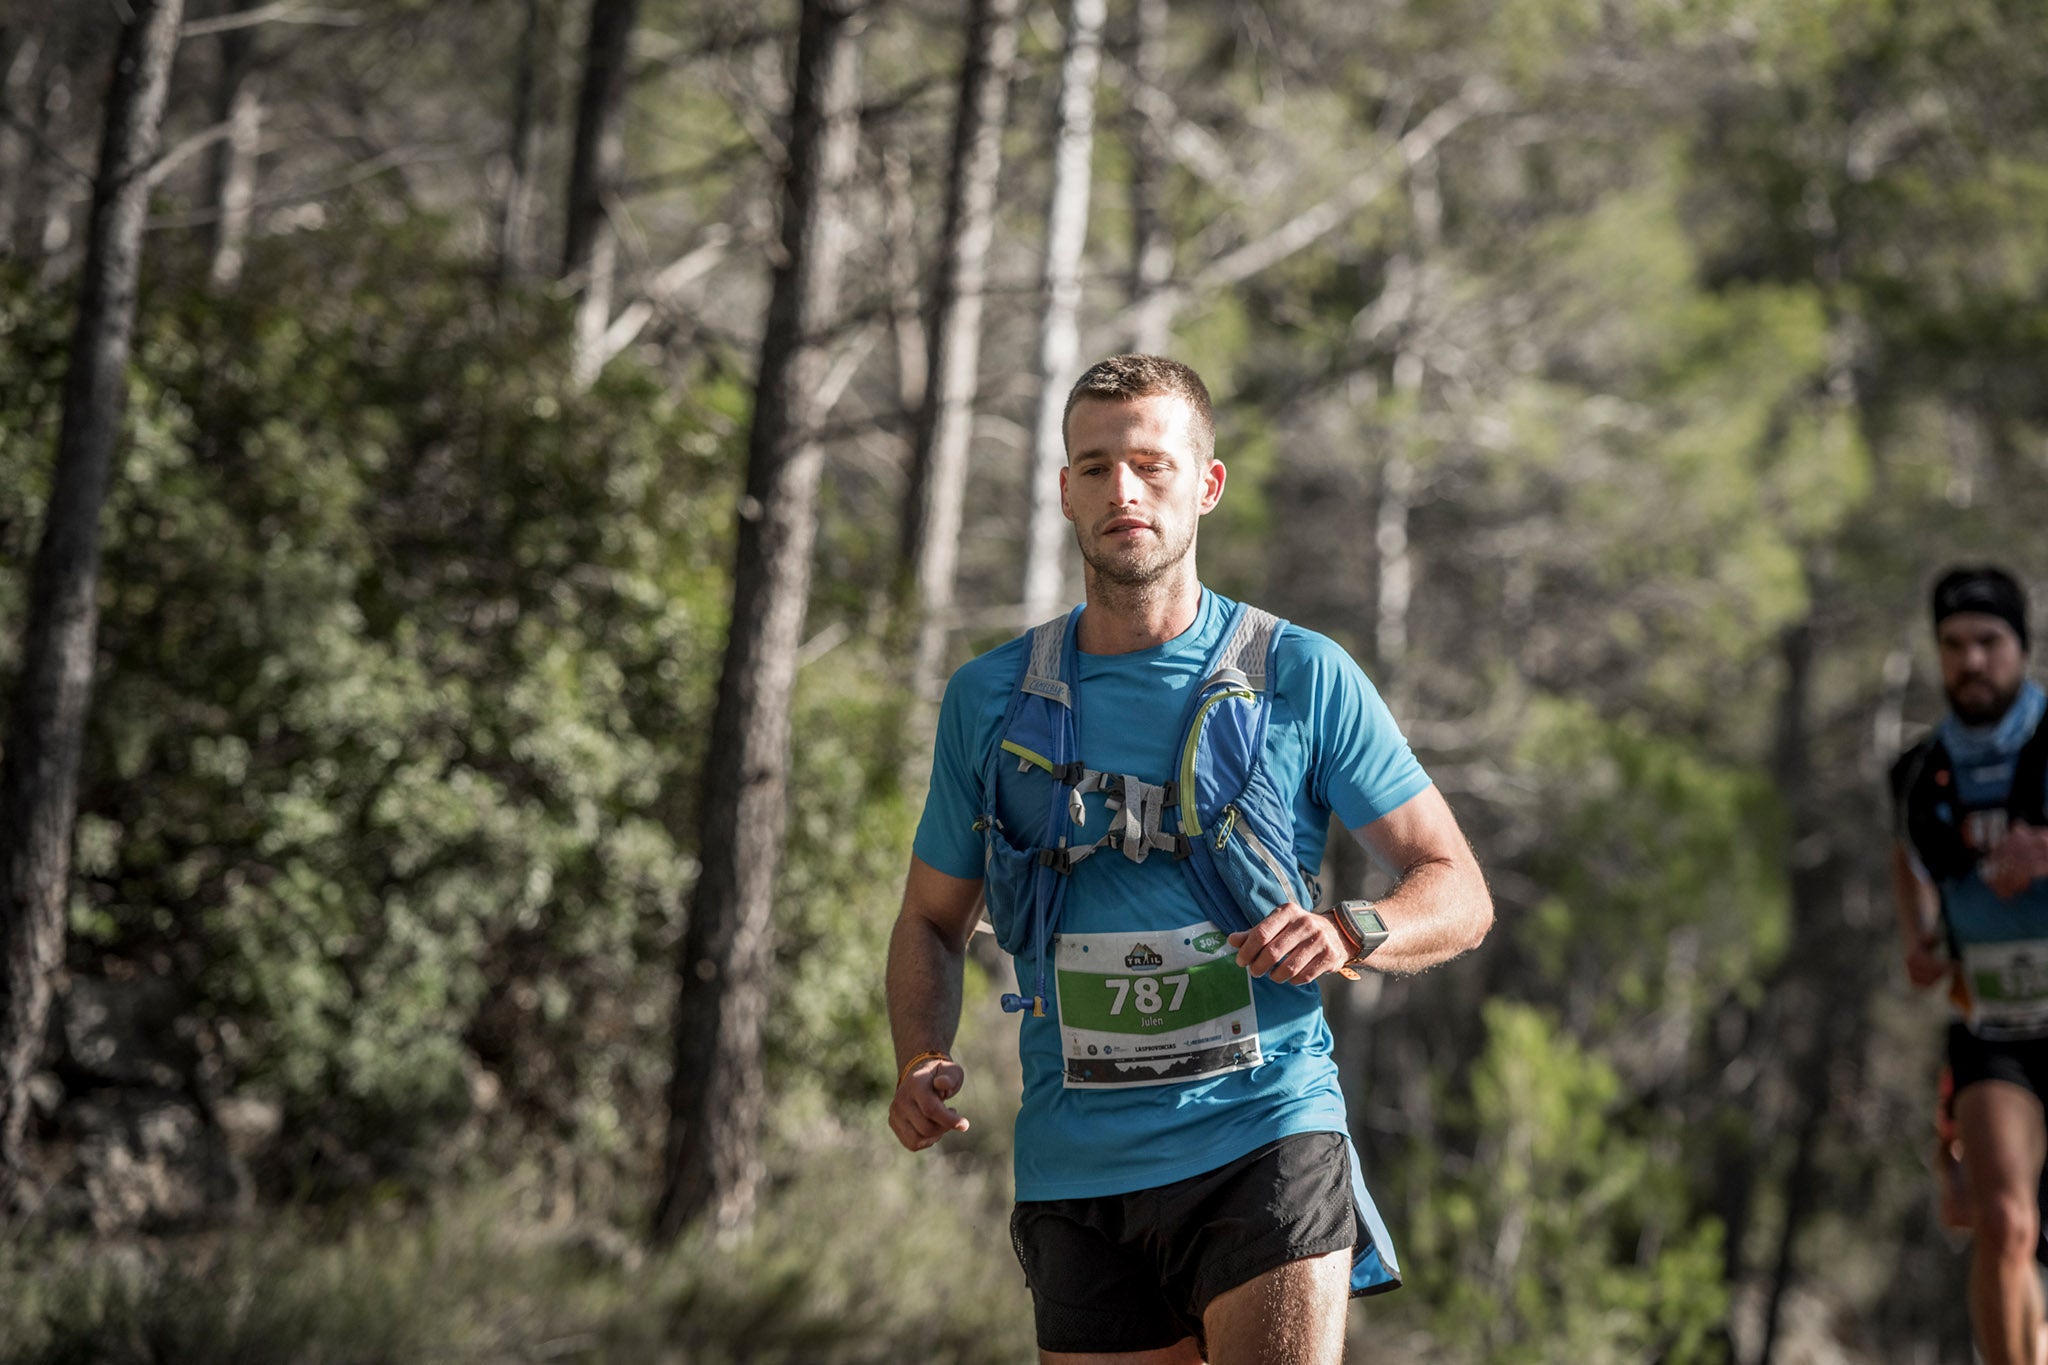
(1968, 871)
(1186, 1185)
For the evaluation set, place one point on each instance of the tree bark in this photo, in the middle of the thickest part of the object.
(716, 1095)
(1151, 240)
(231, 173)
(1059, 336)
(39, 770)
(512, 209)
(906, 320)
(1829, 985)
(589, 245)
(938, 472)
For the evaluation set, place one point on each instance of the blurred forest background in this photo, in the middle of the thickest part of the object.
(440, 976)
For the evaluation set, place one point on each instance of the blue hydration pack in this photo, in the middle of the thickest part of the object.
(1218, 814)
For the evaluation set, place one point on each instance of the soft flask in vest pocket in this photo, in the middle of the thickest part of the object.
(1240, 830)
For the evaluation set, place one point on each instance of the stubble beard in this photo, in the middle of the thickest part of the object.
(1989, 713)
(1137, 575)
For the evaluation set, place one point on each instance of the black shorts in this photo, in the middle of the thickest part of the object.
(2022, 1061)
(1134, 1272)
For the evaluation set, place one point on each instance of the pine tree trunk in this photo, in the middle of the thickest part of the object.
(716, 1096)
(512, 209)
(39, 770)
(906, 321)
(1059, 339)
(238, 102)
(1151, 239)
(590, 246)
(938, 473)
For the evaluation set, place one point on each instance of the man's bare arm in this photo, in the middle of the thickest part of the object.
(927, 961)
(1439, 907)
(1919, 911)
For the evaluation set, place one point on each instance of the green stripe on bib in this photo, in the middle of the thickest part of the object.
(1142, 1003)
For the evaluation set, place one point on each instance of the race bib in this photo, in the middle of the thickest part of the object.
(1153, 1008)
(2008, 988)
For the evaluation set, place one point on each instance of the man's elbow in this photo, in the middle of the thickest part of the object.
(1478, 924)
(1478, 920)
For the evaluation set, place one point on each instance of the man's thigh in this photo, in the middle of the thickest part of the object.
(1291, 1315)
(2003, 1141)
(1999, 1086)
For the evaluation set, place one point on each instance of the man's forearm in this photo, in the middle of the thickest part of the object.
(925, 983)
(1918, 911)
(1438, 911)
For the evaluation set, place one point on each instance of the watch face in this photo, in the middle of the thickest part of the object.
(1372, 930)
(1365, 917)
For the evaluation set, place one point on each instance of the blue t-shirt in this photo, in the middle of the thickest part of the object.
(1332, 744)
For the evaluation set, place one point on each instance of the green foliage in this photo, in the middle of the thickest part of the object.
(408, 650)
(1650, 838)
(868, 1256)
(849, 833)
(1567, 1234)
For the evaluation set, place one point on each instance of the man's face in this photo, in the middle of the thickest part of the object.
(1135, 486)
(1981, 665)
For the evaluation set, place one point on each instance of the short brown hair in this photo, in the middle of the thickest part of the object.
(1122, 378)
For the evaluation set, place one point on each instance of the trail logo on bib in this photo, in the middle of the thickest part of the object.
(1152, 1012)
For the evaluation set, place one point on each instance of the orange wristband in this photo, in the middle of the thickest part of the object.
(908, 1066)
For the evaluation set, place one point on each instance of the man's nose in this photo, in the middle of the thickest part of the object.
(1123, 483)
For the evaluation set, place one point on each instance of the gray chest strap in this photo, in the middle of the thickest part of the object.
(1140, 806)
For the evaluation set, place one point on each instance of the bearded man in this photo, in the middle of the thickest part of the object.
(1970, 877)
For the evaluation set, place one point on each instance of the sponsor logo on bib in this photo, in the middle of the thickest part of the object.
(1143, 957)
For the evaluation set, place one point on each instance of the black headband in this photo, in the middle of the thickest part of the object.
(1990, 592)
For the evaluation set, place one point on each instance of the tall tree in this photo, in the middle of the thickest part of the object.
(1059, 338)
(39, 770)
(512, 208)
(1145, 123)
(231, 172)
(589, 244)
(716, 1097)
(938, 467)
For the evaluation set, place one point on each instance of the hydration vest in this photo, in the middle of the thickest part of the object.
(1218, 814)
(1935, 821)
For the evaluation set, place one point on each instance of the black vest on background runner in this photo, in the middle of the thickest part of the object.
(1933, 816)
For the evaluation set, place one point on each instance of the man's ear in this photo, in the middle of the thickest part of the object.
(1065, 510)
(1213, 477)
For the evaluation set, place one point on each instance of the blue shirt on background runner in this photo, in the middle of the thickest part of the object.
(1332, 744)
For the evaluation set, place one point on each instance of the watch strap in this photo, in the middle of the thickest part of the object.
(1361, 929)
